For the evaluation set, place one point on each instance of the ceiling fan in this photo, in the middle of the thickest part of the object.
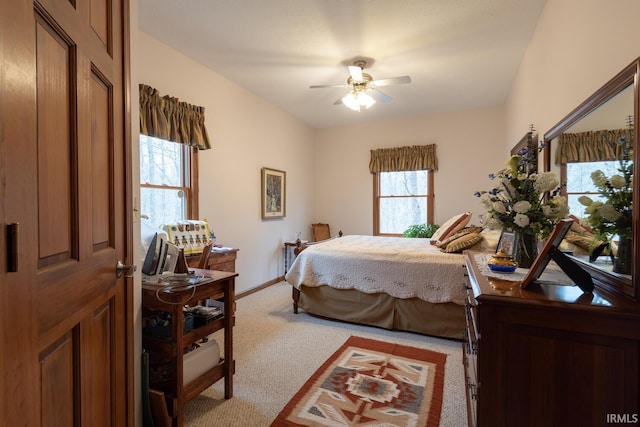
(364, 90)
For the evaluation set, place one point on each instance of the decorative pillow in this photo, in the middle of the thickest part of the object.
(587, 241)
(464, 242)
(450, 227)
(471, 229)
(580, 228)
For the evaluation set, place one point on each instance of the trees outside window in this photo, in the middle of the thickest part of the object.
(402, 199)
(167, 190)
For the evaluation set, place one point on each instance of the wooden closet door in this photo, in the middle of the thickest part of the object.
(66, 345)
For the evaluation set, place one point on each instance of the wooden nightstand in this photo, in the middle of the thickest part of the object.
(288, 255)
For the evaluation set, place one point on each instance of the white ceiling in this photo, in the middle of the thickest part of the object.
(460, 54)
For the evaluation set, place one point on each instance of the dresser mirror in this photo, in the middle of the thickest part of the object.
(597, 135)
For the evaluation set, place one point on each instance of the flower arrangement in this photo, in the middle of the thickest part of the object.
(612, 214)
(518, 199)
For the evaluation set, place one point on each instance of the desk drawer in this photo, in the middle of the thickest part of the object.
(221, 257)
(223, 266)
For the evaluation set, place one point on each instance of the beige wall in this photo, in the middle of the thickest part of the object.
(466, 143)
(577, 47)
(246, 134)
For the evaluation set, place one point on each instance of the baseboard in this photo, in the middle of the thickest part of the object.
(260, 287)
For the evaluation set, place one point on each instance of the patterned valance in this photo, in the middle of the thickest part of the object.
(167, 118)
(409, 158)
(591, 146)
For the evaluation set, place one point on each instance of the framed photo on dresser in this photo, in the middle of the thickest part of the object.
(507, 241)
(540, 263)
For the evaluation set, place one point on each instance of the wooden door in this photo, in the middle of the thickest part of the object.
(66, 341)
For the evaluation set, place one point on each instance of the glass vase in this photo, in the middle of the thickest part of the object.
(525, 250)
(622, 261)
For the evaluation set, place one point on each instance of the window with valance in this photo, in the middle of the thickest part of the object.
(403, 187)
(171, 134)
(581, 153)
(168, 118)
(591, 146)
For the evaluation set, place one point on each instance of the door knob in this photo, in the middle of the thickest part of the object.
(122, 268)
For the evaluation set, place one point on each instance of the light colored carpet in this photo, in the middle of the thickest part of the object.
(276, 351)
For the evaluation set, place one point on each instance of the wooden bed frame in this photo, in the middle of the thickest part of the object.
(445, 320)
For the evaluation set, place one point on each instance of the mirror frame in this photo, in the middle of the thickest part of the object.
(630, 75)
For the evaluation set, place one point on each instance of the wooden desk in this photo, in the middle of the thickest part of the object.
(217, 285)
(219, 260)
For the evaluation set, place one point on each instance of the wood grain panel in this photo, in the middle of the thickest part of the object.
(55, 108)
(67, 355)
(101, 160)
(557, 363)
(100, 21)
(97, 339)
(58, 383)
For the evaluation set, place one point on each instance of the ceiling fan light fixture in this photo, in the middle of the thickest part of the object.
(357, 99)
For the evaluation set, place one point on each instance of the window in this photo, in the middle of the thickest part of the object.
(402, 199)
(579, 183)
(167, 185)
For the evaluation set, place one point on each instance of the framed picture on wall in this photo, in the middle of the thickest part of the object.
(507, 241)
(274, 195)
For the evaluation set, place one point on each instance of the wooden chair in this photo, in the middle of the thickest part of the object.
(204, 257)
(320, 232)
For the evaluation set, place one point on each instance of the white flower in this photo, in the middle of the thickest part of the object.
(585, 200)
(546, 181)
(499, 207)
(508, 190)
(556, 209)
(599, 179)
(593, 207)
(522, 206)
(490, 222)
(609, 213)
(617, 181)
(521, 220)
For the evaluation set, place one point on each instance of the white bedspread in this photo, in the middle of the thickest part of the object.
(400, 267)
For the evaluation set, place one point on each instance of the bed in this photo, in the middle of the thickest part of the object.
(391, 282)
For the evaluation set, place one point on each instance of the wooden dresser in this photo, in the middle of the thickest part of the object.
(219, 260)
(548, 355)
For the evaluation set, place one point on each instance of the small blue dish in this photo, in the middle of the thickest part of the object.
(503, 268)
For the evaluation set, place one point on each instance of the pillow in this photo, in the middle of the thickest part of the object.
(464, 242)
(450, 227)
(580, 228)
(442, 244)
(586, 241)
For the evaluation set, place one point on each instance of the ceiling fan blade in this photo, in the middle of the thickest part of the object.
(338, 102)
(356, 73)
(392, 81)
(379, 96)
(323, 86)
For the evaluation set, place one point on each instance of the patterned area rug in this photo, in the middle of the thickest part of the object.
(369, 382)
